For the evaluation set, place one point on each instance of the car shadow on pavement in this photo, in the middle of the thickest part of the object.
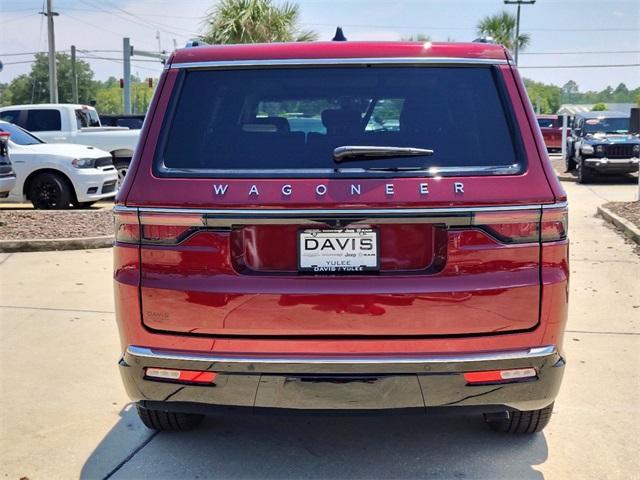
(237, 445)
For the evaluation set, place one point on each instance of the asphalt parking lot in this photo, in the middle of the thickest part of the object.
(64, 413)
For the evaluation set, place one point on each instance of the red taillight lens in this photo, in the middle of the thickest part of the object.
(127, 227)
(520, 226)
(163, 234)
(524, 226)
(186, 376)
(554, 225)
(168, 229)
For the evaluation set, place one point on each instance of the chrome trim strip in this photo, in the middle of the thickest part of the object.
(276, 62)
(322, 212)
(226, 218)
(169, 355)
(556, 205)
(317, 173)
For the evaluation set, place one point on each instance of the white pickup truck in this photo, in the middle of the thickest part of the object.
(69, 123)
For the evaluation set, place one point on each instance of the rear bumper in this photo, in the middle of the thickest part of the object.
(7, 182)
(346, 382)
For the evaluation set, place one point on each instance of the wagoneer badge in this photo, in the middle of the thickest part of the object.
(354, 189)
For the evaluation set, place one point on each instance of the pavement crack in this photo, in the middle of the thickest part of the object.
(57, 309)
(130, 456)
(6, 258)
(602, 333)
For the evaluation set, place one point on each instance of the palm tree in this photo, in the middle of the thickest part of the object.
(254, 21)
(502, 27)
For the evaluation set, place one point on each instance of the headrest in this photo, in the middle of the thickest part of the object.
(267, 124)
(338, 119)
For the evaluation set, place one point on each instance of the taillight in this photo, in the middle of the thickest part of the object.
(168, 229)
(519, 226)
(127, 227)
(525, 226)
(554, 224)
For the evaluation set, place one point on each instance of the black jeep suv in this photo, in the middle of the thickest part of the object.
(600, 142)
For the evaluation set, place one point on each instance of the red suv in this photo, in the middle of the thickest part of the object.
(342, 225)
(551, 127)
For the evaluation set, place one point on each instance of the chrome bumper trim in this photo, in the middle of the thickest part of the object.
(378, 364)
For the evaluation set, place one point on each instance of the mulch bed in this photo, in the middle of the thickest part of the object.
(46, 224)
(628, 210)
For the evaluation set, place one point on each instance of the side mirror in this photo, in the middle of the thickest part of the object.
(577, 131)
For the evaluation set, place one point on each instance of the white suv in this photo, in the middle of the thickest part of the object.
(56, 176)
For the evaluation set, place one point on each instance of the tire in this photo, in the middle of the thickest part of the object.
(584, 173)
(169, 421)
(569, 162)
(122, 167)
(49, 191)
(532, 421)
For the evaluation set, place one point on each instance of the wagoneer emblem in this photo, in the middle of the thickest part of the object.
(354, 189)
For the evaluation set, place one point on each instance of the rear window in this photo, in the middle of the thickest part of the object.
(43, 120)
(87, 118)
(11, 116)
(235, 122)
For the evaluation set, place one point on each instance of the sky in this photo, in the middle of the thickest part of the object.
(564, 33)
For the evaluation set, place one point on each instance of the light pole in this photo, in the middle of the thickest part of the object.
(518, 2)
(53, 75)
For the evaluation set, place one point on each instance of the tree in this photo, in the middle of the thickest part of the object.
(502, 27)
(570, 91)
(418, 37)
(254, 21)
(34, 87)
(548, 96)
(599, 107)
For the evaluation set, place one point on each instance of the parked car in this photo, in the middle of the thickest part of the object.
(551, 128)
(68, 123)
(7, 175)
(261, 267)
(58, 175)
(133, 122)
(601, 144)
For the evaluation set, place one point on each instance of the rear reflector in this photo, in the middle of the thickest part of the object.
(187, 376)
(500, 376)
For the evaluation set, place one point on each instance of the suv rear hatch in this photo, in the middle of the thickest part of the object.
(249, 226)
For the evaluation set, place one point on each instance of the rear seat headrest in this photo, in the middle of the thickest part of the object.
(267, 124)
(341, 120)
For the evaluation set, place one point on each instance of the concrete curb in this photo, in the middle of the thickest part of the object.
(566, 177)
(48, 244)
(628, 228)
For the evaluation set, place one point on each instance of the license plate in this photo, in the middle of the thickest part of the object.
(337, 251)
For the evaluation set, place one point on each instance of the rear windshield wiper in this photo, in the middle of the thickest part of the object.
(365, 152)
